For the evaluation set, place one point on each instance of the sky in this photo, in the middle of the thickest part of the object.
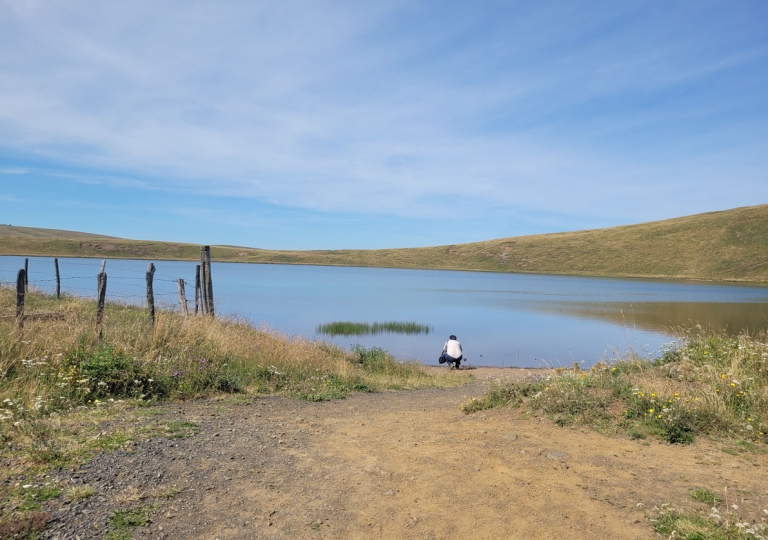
(312, 124)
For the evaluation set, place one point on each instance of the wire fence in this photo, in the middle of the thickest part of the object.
(75, 285)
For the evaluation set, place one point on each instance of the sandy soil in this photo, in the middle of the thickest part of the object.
(405, 464)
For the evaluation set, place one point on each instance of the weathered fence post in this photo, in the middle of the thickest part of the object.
(203, 291)
(182, 297)
(101, 297)
(20, 291)
(26, 275)
(151, 294)
(206, 283)
(103, 266)
(58, 278)
(197, 288)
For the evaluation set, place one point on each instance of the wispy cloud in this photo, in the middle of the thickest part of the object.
(391, 107)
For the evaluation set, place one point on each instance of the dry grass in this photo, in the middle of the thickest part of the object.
(76, 493)
(57, 364)
(708, 383)
(66, 396)
(728, 245)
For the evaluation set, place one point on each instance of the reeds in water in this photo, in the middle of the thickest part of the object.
(347, 328)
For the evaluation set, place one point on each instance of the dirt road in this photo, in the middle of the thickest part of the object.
(405, 464)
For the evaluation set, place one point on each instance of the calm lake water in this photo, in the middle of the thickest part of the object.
(501, 319)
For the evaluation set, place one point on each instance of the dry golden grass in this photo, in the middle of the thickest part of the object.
(728, 245)
(59, 363)
(66, 396)
(710, 384)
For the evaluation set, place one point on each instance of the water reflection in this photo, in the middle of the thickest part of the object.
(729, 317)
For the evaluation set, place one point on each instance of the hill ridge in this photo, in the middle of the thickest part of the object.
(724, 245)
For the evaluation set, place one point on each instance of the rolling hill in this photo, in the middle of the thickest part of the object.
(730, 245)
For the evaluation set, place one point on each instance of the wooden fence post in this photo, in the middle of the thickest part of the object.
(203, 292)
(101, 297)
(206, 283)
(182, 297)
(58, 278)
(26, 275)
(151, 294)
(197, 288)
(20, 291)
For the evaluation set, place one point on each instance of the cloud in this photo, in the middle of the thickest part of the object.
(388, 107)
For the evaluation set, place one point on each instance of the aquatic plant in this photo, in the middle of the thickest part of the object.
(347, 328)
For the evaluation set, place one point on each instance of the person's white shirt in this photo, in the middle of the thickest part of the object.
(452, 348)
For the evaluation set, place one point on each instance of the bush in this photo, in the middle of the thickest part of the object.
(107, 372)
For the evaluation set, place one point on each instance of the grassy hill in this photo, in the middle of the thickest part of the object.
(729, 245)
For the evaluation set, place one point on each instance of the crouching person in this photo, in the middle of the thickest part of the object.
(452, 353)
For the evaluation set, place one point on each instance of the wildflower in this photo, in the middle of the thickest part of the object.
(653, 395)
(650, 411)
(676, 395)
(722, 376)
(733, 384)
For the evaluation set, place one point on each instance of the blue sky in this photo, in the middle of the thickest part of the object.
(315, 124)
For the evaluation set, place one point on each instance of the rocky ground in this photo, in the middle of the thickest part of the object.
(406, 464)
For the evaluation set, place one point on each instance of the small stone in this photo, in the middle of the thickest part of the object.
(389, 493)
(557, 455)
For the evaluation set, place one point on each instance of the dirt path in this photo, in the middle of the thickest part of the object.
(404, 464)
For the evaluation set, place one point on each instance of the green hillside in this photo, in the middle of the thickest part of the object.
(728, 245)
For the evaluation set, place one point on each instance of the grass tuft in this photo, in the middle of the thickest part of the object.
(76, 493)
(124, 521)
(705, 496)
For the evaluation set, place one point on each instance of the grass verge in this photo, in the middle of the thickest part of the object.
(706, 383)
(713, 524)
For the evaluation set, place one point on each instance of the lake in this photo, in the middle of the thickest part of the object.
(501, 319)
